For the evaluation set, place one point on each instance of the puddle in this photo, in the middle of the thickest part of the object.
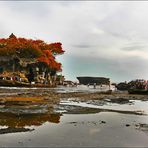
(13, 123)
(74, 130)
(133, 106)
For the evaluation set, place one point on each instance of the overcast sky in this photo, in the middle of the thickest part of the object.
(107, 39)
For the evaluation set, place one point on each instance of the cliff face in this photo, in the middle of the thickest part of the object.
(92, 80)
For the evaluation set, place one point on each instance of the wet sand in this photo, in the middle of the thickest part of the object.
(75, 118)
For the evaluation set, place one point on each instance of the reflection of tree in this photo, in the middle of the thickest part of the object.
(20, 121)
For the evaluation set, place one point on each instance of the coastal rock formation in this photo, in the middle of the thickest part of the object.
(92, 80)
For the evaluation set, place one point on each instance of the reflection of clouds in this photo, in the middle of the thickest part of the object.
(93, 131)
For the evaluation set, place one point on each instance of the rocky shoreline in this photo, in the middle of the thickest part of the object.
(32, 101)
(53, 97)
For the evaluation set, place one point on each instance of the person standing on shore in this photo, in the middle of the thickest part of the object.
(94, 85)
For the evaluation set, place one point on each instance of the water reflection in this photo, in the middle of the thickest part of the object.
(20, 114)
(18, 123)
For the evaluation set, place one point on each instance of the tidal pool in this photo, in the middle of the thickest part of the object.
(136, 106)
(78, 124)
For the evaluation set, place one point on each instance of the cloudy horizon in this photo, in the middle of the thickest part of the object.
(107, 38)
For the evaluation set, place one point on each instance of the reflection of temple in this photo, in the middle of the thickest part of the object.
(25, 62)
(17, 123)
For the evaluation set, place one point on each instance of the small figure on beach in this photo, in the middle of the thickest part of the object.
(88, 85)
(94, 85)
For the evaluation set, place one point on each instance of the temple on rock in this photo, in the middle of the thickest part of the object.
(29, 62)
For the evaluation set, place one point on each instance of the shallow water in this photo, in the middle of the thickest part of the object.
(82, 130)
(87, 126)
(133, 105)
(82, 88)
(63, 89)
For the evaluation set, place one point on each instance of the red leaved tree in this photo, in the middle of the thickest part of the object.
(32, 49)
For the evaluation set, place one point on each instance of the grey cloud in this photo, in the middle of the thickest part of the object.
(82, 46)
(118, 35)
(134, 47)
(31, 7)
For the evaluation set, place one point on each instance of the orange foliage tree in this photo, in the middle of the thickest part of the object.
(27, 48)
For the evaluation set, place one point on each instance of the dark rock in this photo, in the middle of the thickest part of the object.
(122, 86)
(103, 122)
